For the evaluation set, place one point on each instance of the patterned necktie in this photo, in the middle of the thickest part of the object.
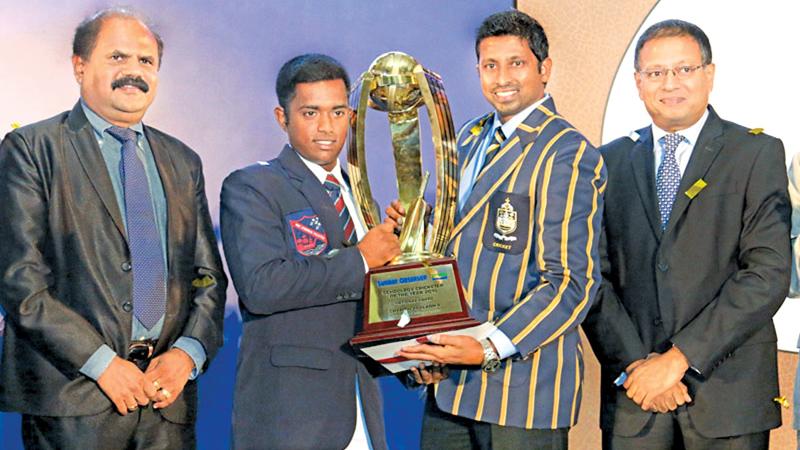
(494, 147)
(335, 191)
(668, 176)
(144, 240)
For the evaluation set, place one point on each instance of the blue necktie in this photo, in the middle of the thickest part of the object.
(144, 240)
(335, 192)
(668, 177)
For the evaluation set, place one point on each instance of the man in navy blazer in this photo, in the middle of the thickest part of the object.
(695, 261)
(297, 255)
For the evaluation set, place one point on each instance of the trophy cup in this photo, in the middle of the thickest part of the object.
(419, 292)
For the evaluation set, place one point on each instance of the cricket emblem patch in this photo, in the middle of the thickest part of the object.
(511, 215)
(307, 232)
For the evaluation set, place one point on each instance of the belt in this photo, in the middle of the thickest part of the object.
(140, 352)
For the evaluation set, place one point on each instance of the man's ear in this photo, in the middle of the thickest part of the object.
(78, 66)
(280, 116)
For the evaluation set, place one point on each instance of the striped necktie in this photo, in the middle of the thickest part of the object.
(335, 192)
(144, 240)
(668, 176)
(494, 148)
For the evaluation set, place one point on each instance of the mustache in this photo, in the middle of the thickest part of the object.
(136, 82)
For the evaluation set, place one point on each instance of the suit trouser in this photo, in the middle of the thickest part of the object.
(144, 428)
(675, 431)
(443, 431)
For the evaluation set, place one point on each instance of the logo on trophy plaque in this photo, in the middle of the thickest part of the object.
(419, 292)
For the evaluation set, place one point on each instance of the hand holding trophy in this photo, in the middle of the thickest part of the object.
(419, 293)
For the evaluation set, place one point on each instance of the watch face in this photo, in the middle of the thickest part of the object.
(491, 365)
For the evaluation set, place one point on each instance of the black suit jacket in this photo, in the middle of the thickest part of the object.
(709, 284)
(301, 303)
(63, 263)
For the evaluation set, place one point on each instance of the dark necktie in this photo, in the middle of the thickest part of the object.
(335, 191)
(668, 177)
(144, 240)
(494, 147)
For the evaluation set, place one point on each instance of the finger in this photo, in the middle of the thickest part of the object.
(671, 403)
(150, 388)
(140, 398)
(398, 207)
(168, 399)
(120, 406)
(416, 375)
(419, 356)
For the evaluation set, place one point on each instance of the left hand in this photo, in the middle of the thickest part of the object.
(446, 349)
(655, 376)
(167, 374)
(429, 375)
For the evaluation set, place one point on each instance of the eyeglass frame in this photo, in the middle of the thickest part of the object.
(676, 72)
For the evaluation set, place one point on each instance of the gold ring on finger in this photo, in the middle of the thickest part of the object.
(165, 393)
(156, 385)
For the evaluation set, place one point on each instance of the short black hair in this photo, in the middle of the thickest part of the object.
(307, 68)
(514, 23)
(674, 28)
(85, 38)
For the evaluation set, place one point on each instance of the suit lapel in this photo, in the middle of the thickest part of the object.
(709, 143)
(509, 156)
(643, 169)
(84, 144)
(315, 193)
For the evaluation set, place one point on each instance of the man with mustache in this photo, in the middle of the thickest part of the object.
(110, 274)
(526, 236)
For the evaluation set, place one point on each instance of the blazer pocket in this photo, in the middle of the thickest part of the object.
(507, 226)
(297, 356)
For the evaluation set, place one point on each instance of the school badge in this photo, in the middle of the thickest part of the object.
(309, 237)
(506, 222)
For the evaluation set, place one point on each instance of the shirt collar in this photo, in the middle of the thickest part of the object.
(321, 174)
(689, 134)
(511, 125)
(100, 125)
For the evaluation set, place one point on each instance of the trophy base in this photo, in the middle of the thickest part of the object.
(411, 300)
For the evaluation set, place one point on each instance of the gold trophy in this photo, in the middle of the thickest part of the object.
(419, 292)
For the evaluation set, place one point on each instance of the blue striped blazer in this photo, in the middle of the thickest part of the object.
(526, 245)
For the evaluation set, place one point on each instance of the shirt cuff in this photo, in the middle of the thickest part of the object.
(98, 362)
(364, 260)
(503, 344)
(195, 350)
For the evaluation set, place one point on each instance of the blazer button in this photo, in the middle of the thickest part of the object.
(126, 266)
(127, 306)
(657, 321)
(662, 266)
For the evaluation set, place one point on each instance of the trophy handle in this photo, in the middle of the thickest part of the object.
(356, 157)
(444, 143)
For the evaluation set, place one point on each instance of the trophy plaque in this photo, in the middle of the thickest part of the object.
(419, 292)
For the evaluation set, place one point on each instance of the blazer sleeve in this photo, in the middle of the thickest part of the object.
(267, 277)
(608, 326)
(567, 215)
(207, 311)
(751, 296)
(26, 286)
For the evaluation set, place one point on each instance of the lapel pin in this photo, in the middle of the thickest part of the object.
(756, 130)
(15, 125)
(781, 401)
(698, 186)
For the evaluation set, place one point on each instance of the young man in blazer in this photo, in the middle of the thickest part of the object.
(109, 273)
(696, 261)
(298, 254)
(526, 235)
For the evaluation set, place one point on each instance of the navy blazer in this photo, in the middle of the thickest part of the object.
(300, 296)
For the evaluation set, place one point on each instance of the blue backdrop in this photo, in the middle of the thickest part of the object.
(217, 94)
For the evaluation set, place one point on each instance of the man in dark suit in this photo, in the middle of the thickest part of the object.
(695, 261)
(110, 274)
(298, 253)
(526, 236)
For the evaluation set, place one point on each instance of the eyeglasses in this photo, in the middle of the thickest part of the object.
(680, 72)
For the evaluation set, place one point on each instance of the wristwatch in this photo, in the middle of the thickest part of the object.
(491, 360)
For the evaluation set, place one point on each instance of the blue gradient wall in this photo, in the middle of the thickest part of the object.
(217, 95)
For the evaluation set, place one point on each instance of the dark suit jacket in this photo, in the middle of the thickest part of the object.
(537, 282)
(63, 263)
(300, 297)
(709, 284)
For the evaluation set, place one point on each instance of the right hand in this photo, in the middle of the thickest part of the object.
(123, 383)
(379, 245)
(676, 396)
(395, 214)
